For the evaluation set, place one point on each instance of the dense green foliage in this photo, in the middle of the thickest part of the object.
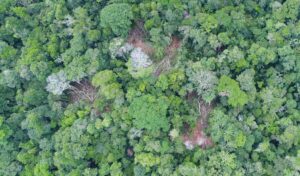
(116, 17)
(122, 87)
(230, 88)
(150, 113)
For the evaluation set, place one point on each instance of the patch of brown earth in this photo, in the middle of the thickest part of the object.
(197, 136)
(136, 38)
(170, 53)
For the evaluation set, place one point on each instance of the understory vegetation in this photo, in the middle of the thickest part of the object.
(149, 88)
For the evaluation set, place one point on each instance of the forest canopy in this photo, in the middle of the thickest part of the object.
(149, 88)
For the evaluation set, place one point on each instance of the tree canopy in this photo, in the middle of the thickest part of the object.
(149, 87)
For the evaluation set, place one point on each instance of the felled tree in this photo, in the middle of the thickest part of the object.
(117, 17)
(230, 88)
(150, 113)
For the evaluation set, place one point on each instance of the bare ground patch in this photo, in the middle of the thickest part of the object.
(137, 37)
(196, 136)
(170, 53)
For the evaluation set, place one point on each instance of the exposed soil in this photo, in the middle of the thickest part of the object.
(170, 53)
(136, 38)
(172, 48)
(197, 136)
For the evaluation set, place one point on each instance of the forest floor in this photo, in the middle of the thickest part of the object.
(170, 53)
(196, 136)
(137, 37)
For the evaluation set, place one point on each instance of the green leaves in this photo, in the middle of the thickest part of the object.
(71, 145)
(149, 112)
(42, 169)
(272, 100)
(204, 81)
(221, 163)
(259, 54)
(115, 109)
(116, 17)
(147, 159)
(232, 134)
(81, 66)
(208, 22)
(7, 54)
(106, 82)
(230, 88)
(291, 136)
(104, 77)
(189, 168)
